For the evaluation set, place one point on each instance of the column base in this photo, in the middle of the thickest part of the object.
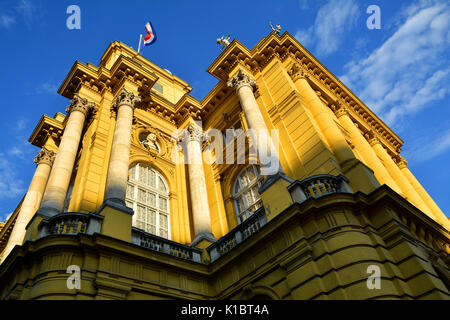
(116, 203)
(361, 177)
(117, 220)
(203, 236)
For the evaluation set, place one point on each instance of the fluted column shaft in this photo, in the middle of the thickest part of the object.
(330, 130)
(197, 183)
(437, 212)
(116, 181)
(32, 200)
(398, 176)
(267, 154)
(366, 151)
(58, 182)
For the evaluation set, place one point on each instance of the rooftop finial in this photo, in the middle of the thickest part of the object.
(276, 30)
(224, 41)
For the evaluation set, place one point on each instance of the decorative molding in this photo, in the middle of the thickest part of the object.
(80, 104)
(372, 138)
(125, 97)
(297, 72)
(240, 80)
(45, 156)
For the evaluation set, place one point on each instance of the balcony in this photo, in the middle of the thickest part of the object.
(312, 187)
(155, 243)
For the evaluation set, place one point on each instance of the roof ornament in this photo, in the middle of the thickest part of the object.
(276, 30)
(225, 42)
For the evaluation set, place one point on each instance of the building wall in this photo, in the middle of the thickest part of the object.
(316, 249)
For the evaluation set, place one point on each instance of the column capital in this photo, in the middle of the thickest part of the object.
(125, 97)
(195, 133)
(297, 72)
(240, 80)
(45, 156)
(372, 138)
(340, 108)
(400, 161)
(79, 104)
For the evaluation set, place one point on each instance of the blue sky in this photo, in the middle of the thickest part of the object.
(401, 71)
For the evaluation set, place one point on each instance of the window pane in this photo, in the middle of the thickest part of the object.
(163, 221)
(163, 204)
(161, 185)
(152, 217)
(130, 191)
(163, 233)
(140, 213)
(141, 195)
(152, 179)
(133, 173)
(151, 199)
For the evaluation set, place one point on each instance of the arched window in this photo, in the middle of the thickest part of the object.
(148, 195)
(245, 192)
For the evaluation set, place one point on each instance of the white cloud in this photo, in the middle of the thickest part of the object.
(10, 185)
(6, 21)
(46, 88)
(408, 70)
(424, 150)
(332, 23)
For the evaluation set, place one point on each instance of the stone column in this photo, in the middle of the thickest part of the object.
(408, 191)
(58, 182)
(435, 210)
(197, 183)
(330, 130)
(116, 180)
(32, 200)
(361, 178)
(243, 84)
(364, 148)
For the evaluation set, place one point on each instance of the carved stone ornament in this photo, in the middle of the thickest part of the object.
(195, 133)
(372, 138)
(401, 162)
(125, 97)
(45, 156)
(340, 109)
(150, 142)
(240, 80)
(297, 72)
(79, 104)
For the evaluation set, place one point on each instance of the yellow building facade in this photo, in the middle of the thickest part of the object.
(136, 188)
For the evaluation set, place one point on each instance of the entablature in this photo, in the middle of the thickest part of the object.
(281, 47)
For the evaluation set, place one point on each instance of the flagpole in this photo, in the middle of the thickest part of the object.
(140, 40)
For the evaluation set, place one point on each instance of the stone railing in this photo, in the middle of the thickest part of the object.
(242, 232)
(155, 243)
(71, 223)
(317, 186)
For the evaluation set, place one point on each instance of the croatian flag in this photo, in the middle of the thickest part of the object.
(150, 38)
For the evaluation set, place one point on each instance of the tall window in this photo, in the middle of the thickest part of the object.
(148, 195)
(245, 192)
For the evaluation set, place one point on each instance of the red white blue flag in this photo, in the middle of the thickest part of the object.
(150, 38)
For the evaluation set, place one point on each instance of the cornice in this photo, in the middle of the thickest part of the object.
(99, 79)
(47, 126)
(284, 46)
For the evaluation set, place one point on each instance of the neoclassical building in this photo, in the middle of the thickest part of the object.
(133, 189)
